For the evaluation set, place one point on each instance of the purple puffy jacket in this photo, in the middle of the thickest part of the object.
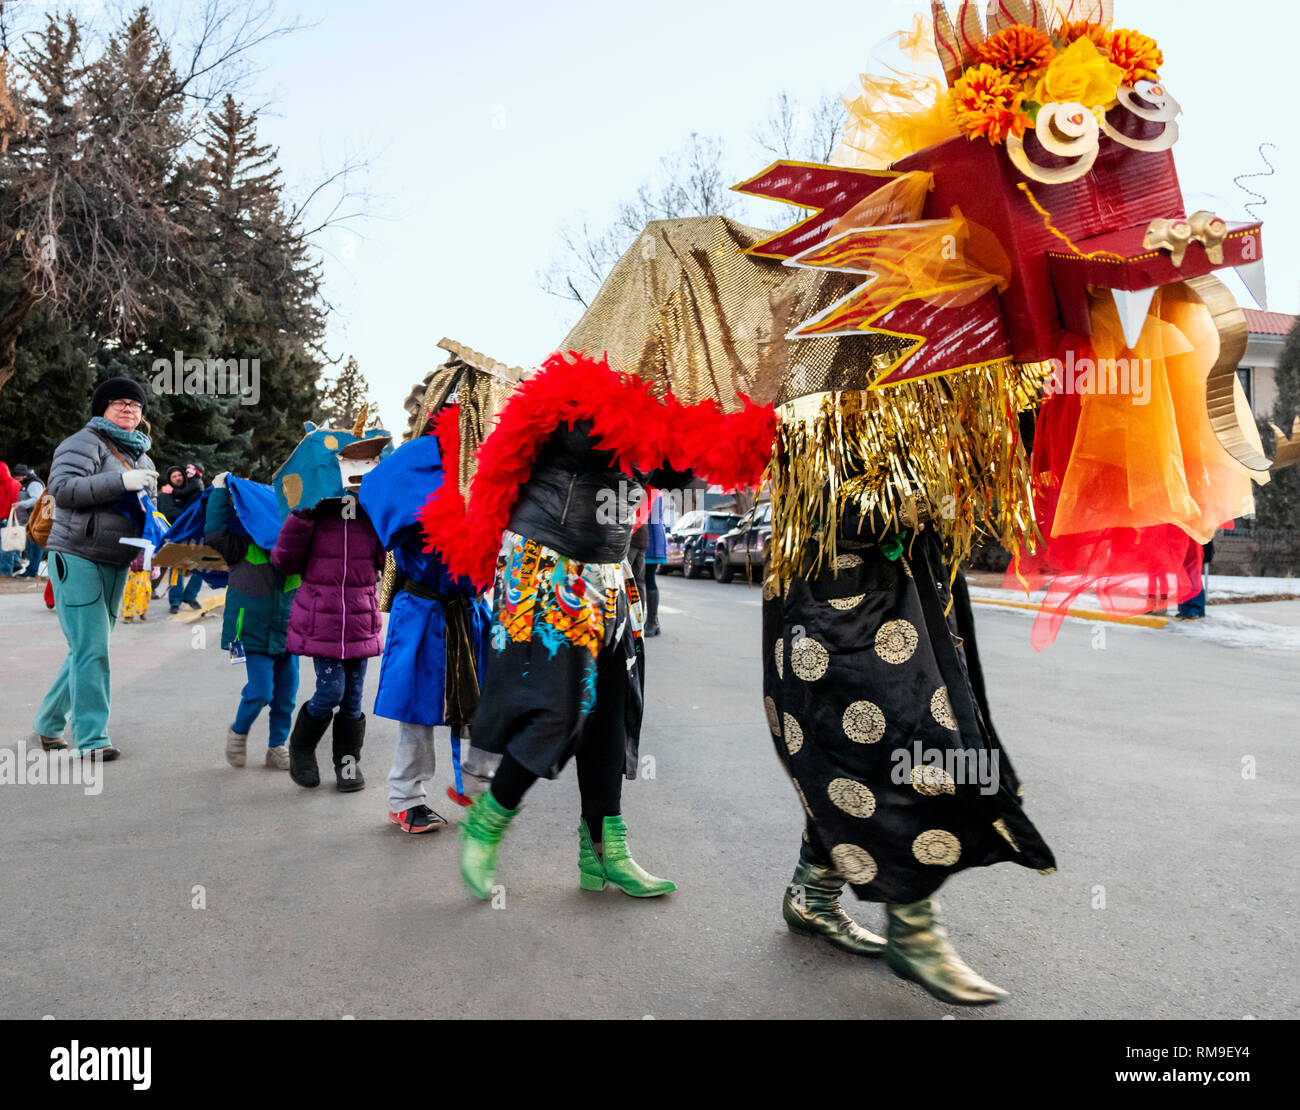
(335, 612)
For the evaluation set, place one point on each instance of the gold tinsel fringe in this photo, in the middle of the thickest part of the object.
(944, 450)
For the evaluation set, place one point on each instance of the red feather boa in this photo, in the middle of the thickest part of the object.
(643, 431)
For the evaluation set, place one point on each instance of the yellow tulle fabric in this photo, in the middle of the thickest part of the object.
(1146, 454)
(893, 115)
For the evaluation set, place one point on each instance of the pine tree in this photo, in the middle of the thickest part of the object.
(346, 396)
(265, 283)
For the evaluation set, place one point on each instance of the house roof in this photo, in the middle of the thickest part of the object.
(1268, 323)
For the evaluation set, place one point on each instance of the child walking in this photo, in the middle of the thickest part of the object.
(437, 627)
(255, 626)
(335, 620)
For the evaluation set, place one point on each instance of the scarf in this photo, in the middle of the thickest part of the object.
(134, 443)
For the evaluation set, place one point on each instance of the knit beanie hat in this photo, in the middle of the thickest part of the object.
(116, 389)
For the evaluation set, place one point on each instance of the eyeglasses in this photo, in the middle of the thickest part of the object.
(130, 406)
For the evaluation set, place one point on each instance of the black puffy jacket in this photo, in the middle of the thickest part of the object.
(577, 503)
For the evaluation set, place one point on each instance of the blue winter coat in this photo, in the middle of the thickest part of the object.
(412, 679)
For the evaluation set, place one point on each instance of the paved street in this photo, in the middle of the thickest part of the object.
(316, 907)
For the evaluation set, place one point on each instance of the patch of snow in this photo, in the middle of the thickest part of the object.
(1223, 586)
(1232, 630)
(1226, 629)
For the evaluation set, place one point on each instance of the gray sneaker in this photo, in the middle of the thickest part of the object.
(278, 758)
(236, 747)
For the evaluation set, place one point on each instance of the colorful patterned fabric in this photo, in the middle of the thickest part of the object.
(559, 601)
(566, 657)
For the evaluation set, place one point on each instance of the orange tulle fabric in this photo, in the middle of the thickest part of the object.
(900, 201)
(1129, 478)
(1145, 452)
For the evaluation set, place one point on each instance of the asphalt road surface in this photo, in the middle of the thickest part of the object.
(1162, 771)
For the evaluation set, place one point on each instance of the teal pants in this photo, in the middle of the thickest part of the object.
(87, 597)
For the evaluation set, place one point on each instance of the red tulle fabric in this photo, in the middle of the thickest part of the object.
(643, 432)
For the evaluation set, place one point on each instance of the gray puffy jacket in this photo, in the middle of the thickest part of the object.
(86, 484)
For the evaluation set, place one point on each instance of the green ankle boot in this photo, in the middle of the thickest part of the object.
(614, 863)
(484, 825)
(919, 949)
(811, 908)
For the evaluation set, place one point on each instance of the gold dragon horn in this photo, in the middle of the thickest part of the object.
(970, 31)
(945, 42)
(359, 428)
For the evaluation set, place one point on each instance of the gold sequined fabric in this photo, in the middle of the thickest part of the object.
(685, 310)
(481, 385)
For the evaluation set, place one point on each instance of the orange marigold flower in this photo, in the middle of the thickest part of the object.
(1136, 54)
(986, 101)
(1017, 49)
(1084, 29)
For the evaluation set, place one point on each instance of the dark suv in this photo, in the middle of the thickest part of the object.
(691, 540)
(745, 544)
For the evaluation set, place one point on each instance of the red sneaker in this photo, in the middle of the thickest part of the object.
(417, 819)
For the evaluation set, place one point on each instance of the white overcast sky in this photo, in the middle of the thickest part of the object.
(488, 124)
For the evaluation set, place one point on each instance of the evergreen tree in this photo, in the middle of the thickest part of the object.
(346, 396)
(265, 283)
(134, 227)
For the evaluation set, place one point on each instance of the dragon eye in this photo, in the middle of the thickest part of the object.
(1066, 130)
(1143, 118)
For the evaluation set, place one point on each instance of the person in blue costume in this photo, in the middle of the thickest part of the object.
(436, 646)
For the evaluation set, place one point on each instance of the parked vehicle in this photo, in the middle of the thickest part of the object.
(691, 540)
(745, 544)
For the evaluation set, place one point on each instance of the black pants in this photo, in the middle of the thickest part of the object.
(601, 760)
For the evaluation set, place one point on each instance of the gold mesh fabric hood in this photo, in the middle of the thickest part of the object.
(685, 310)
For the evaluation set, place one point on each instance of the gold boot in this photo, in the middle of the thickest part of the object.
(919, 949)
(811, 908)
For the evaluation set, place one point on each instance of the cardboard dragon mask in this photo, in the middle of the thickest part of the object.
(329, 463)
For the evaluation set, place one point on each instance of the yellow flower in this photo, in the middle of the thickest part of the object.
(1080, 73)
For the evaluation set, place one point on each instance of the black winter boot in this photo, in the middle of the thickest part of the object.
(652, 614)
(348, 738)
(306, 734)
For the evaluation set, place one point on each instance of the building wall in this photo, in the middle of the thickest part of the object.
(1262, 354)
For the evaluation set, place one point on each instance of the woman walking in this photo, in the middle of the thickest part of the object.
(95, 481)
